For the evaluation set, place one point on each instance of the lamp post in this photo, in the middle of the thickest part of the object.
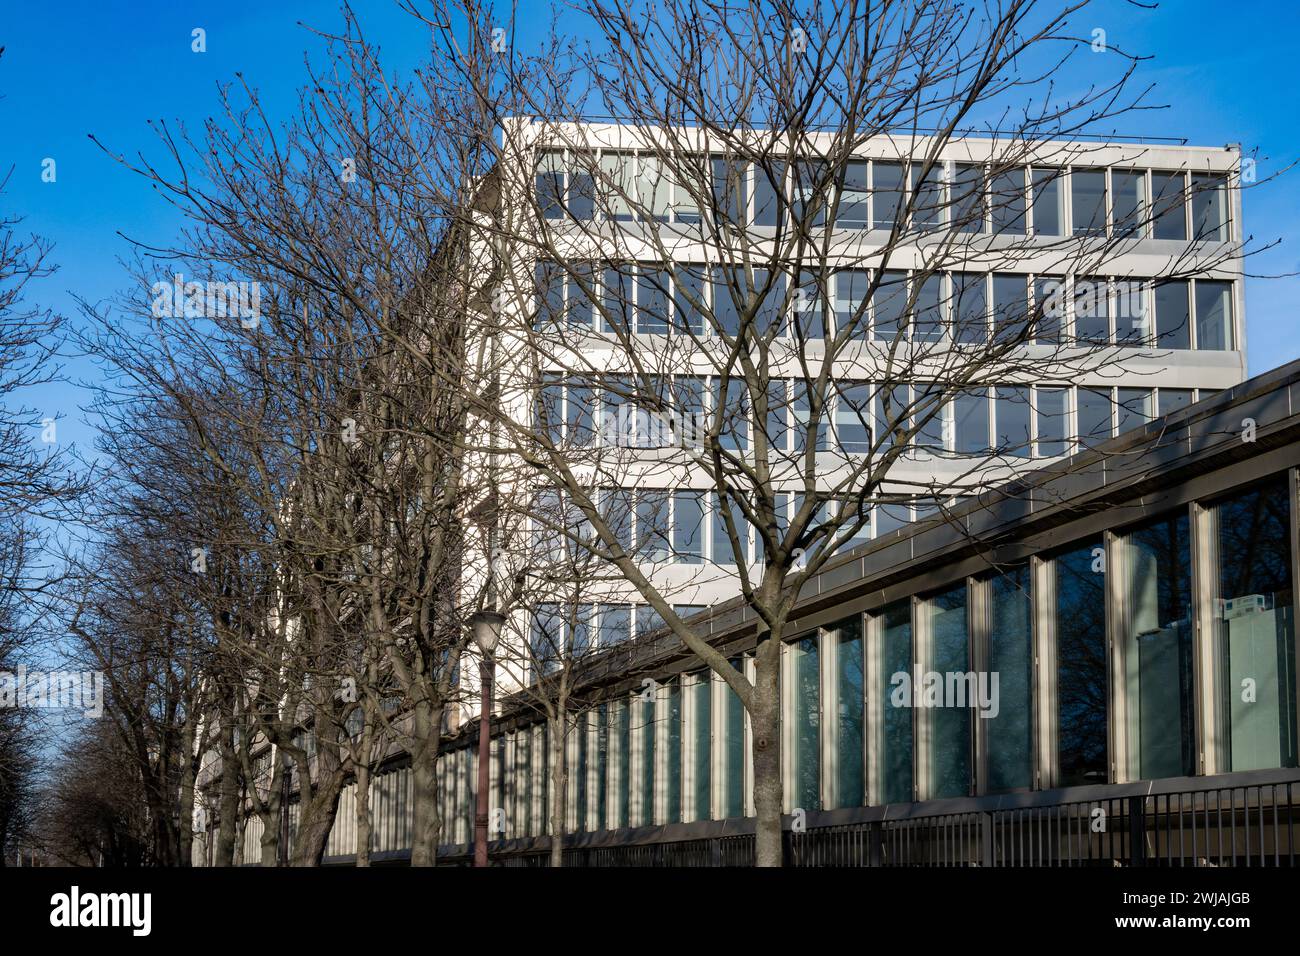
(487, 631)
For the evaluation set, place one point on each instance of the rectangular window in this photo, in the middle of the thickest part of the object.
(1092, 311)
(1169, 205)
(673, 722)
(970, 307)
(732, 410)
(730, 191)
(581, 286)
(1049, 212)
(615, 624)
(579, 771)
(851, 312)
(1049, 309)
(1011, 656)
(1209, 209)
(621, 731)
(928, 318)
(950, 723)
(1133, 408)
(1088, 201)
(769, 194)
(689, 305)
(1094, 416)
(1130, 203)
(652, 188)
(648, 620)
(1052, 420)
(688, 526)
(652, 291)
(1010, 306)
(1082, 696)
(616, 301)
(808, 309)
(1007, 202)
(891, 517)
(889, 306)
(702, 740)
(1011, 422)
(1173, 315)
(653, 533)
(887, 193)
(647, 733)
(550, 185)
(895, 761)
(727, 285)
(1172, 399)
(1157, 636)
(928, 205)
(598, 810)
(1213, 314)
(971, 422)
(1254, 627)
(617, 184)
(967, 203)
(853, 418)
(805, 704)
(852, 211)
(548, 279)
(810, 194)
(849, 711)
(723, 552)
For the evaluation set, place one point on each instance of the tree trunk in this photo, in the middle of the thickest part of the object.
(223, 853)
(559, 784)
(765, 721)
(188, 771)
(425, 823)
(363, 812)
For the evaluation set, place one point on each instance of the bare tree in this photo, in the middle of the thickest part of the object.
(681, 198)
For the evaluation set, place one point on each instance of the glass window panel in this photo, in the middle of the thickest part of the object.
(598, 810)
(652, 290)
(550, 409)
(1010, 306)
(950, 744)
(887, 194)
(970, 306)
(810, 194)
(928, 206)
(1048, 209)
(895, 407)
(971, 422)
(852, 211)
(889, 306)
(615, 624)
(1012, 420)
(891, 517)
(1129, 207)
(689, 305)
(806, 737)
(550, 185)
(673, 755)
(968, 198)
(851, 312)
(733, 409)
(1172, 399)
(808, 307)
(853, 418)
(616, 180)
(581, 286)
(1213, 315)
(1051, 412)
(723, 552)
(1094, 415)
(578, 773)
(1092, 310)
(1049, 308)
(653, 533)
(702, 764)
(648, 733)
(1209, 209)
(549, 280)
(652, 188)
(1007, 202)
(1011, 657)
(1173, 315)
(1158, 649)
(1168, 205)
(1254, 625)
(726, 315)
(688, 526)
(778, 414)
(730, 191)
(1082, 686)
(850, 702)
(1088, 201)
(768, 193)
(896, 713)
(930, 413)
(929, 308)
(622, 734)
(1133, 408)
(616, 302)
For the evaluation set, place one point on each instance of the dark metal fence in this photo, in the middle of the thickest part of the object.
(1230, 820)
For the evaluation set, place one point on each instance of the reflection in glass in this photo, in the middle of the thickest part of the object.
(1010, 732)
(806, 759)
(849, 712)
(1254, 623)
(896, 722)
(1158, 648)
(703, 707)
(1081, 684)
(949, 654)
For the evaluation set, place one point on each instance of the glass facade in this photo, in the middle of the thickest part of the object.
(1079, 583)
(895, 758)
(1007, 709)
(850, 713)
(943, 693)
(806, 723)
(1157, 647)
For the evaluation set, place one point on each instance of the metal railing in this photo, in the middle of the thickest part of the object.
(1245, 819)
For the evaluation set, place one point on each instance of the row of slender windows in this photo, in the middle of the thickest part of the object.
(1170, 205)
(947, 693)
(1018, 421)
(968, 308)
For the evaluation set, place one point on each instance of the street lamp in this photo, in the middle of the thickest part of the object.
(487, 632)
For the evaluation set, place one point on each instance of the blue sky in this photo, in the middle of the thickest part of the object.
(1227, 72)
